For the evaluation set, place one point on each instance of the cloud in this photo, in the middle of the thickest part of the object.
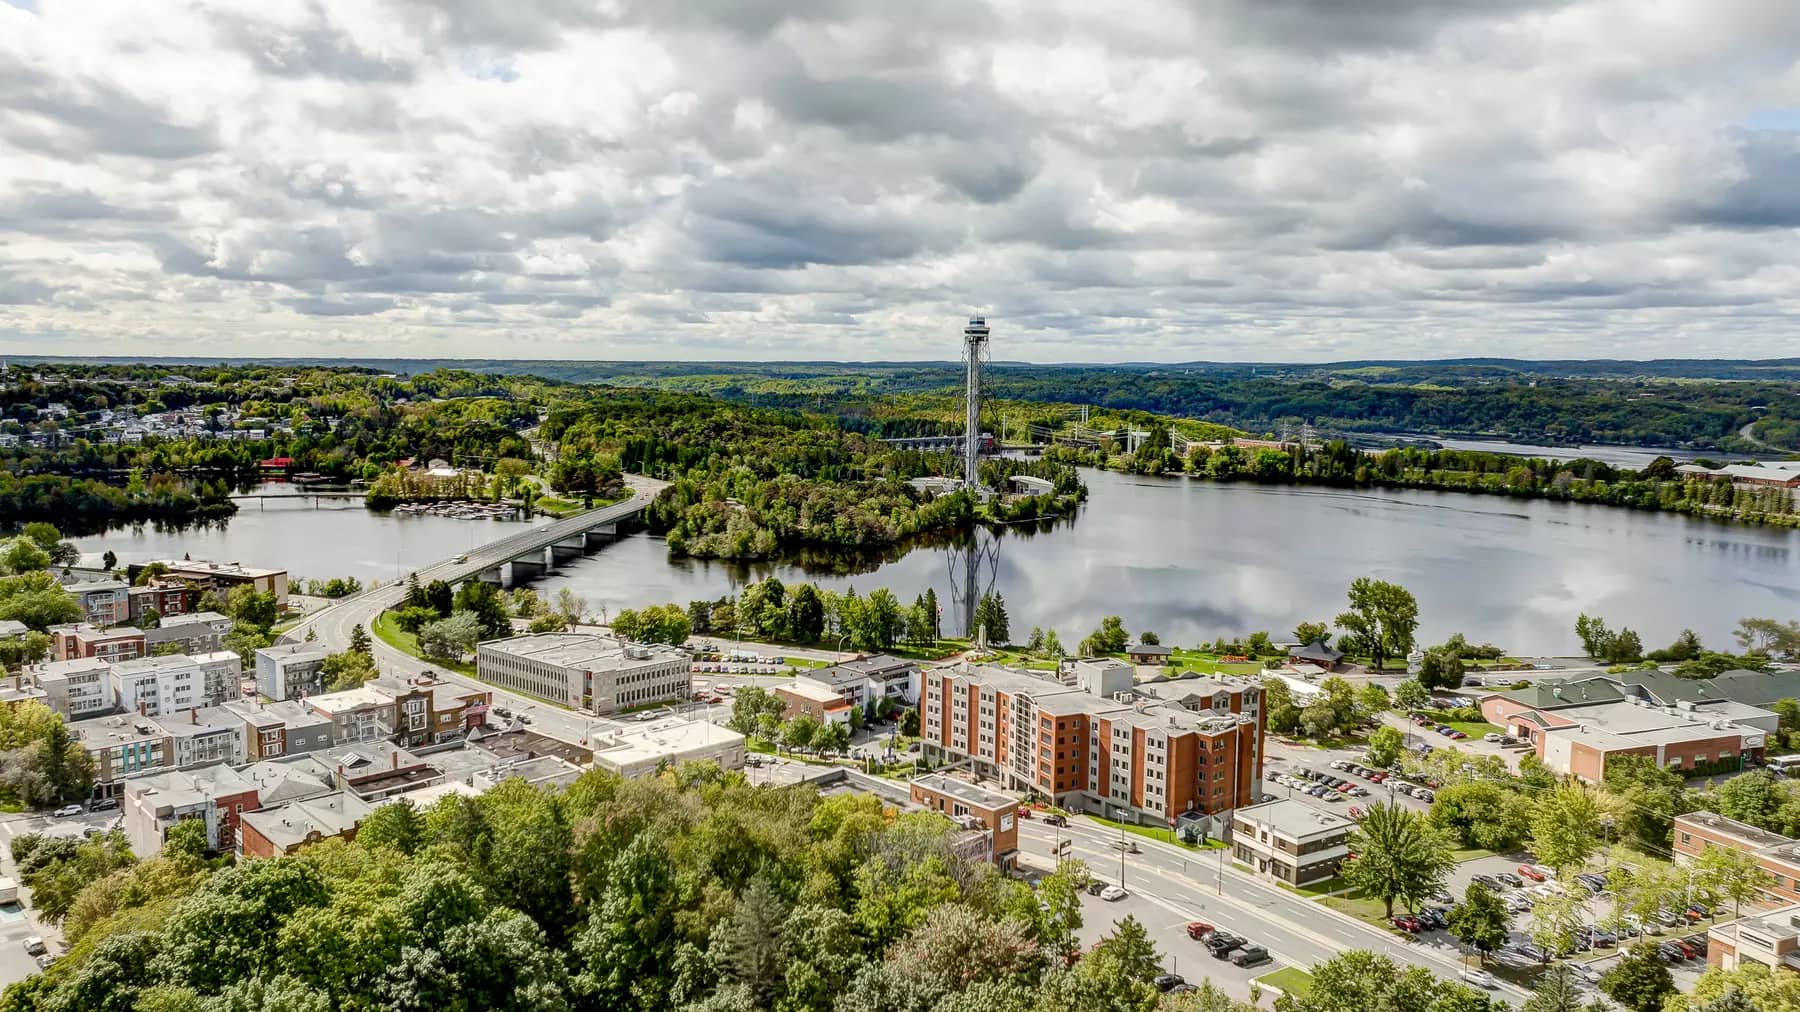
(810, 179)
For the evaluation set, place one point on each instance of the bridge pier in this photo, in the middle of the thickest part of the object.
(569, 548)
(499, 576)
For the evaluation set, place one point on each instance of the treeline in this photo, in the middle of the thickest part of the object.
(803, 613)
(90, 505)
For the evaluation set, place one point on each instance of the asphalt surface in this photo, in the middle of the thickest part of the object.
(18, 921)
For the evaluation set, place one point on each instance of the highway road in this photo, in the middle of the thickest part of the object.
(332, 625)
(1203, 886)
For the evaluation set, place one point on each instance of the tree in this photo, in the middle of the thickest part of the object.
(799, 732)
(1565, 826)
(1440, 669)
(571, 606)
(1385, 744)
(1481, 922)
(750, 704)
(1640, 980)
(359, 641)
(346, 670)
(1278, 698)
(450, 638)
(1361, 981)
(109, 561)
(805, 614)
(1312, 632)
(1481, 813)
(1557, 990)
(831, 737)
(750, 945)
(1556, 917)
(245, 642)
(1381, 619)
(483, 601)
(439, 597)
(1372, 700)
(1768, 637)
(1110, 638)
(990, 614)
(22, 555)
(395, 824)
(1721, 872)
(1399, 856)
(37, 600)
(252, 608)
(1411, 695)
(1593, 634)
(17, 651)
(883, 614)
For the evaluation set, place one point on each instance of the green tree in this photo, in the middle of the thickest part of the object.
(1278, 698)
(1556, 917)
(1723, 873)
(395, 825)
(750, 945)
(1372, 700)
(1110, 638)
(1481, 922)
(749, 705)
(571, 606)
(800, 731)
(1399, 857)
(1381, 618)
(1483, 814)
(1640, 980)
(359, 641)
(1411, 695)
(252, 608)
(1312, 632)
(805, 614)
(22, 555)
(1440, 669)
(1385, 744)
(1557, 990)
(1565, 826)
(483, 601)
(346, 670)
(884, 619)
(990, 614)
(1361, 981)
(109, 561)
(450, 638)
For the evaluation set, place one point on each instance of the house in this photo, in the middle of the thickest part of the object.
(285, 829)
(991, 817)
(822, 702)
(290, 671)
(1025, 484)
(1293, 842)
(155, 804)
(83, 639)
(1316, 652)
(1148, 653)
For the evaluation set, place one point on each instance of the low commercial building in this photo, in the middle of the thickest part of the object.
(1294, 842)
(1316, 653)
(643, 749)
(155, 804)
(223, 577)
(432, 712)
(993, 814)
(866, 680)
(1770, 939)
(290, 671)
(1576, 726)
(285, 829)
(1777, 855)
(1088, 740)
(821, 702)
(598, 674)
(77, 689)
(82, 639)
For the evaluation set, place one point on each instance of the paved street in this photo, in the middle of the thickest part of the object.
(17, 920)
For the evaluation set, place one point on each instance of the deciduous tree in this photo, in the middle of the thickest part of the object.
(1640, 980)
(1381, 618)
(1399, 858)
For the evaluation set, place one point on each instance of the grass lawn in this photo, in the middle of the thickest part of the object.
(1473, 728)
(1288, 980)
(390, 633)
(1363, 908)
(1156, 833)
(1470, 854)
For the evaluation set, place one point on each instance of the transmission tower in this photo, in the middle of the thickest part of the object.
(975, 356)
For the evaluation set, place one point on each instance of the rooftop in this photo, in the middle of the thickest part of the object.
(152, 665)
(13, 627)
(194, 618)
(102, 732)
(878, 666)
(278, 782)
(582, 650)
(808, 689)
(197, 721)
(221, 568)
(670, 739)
(349, 699)
(294, 651)
(529, 744)
(966, 793)
(1742, 831)
(1293, 819)
(290, 825)
(1149, 650)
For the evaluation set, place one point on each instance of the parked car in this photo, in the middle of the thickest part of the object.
(1531, 872)
(1594, 883)
(1113, 893)
(103, 804)
(1670, 952)
(34, 946)
(1669, 918)
(1695, 912)
(1095, 887)
(66, 811)
(1424, 795)
(1220, 944)
(1510, 879)
(1358, 792)
(1355, 812)
(1407, 923)
(45, 961)
(1602, 938)
(1167, 982)
(1583, 972)
(1518, 903)
(1488, 882)
(1687, 951)
(1199, 929)
(1378, 776)
(1529, 951)
(1697, 943)
(1340, 764)
(1274, 776)
(1492, 737)
(1480, 978)
(1249, 955)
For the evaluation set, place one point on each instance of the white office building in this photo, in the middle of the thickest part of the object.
(641, 750)
(595, 673)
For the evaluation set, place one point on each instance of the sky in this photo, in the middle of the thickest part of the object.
(1269, 180)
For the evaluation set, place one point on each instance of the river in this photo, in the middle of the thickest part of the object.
(1188, 559)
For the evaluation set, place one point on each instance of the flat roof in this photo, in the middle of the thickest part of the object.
(1291, 818)
(1731, 827)
(349, 699)
(812, 690)
(670, 738)
(587, 651)
(294, 651)
(220, 568)
(965, 792)
(115, 729)
(292, 824)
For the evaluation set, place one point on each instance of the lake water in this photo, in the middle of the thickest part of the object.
(1189, 559)
(1634, 457)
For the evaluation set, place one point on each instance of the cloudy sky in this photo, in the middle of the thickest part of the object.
(779, 179)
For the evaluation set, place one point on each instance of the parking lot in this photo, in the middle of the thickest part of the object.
(17, 921)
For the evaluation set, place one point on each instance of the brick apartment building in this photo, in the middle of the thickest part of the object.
(1089, 740)
(83, 639)
(994, 816)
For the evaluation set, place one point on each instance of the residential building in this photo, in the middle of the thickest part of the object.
(640, 750)
(1148, 653)
(822, 702)
(1777, 855)
(107, 602)
(431, 712)
(285, 829)
(221, 676)
(1087, 740)
(68, 642)
(865, 680)
(290, 671)
(357, 715)
(122, 746)
(154, 686)
(1771, 939)
(198, 633)
(371, 770)
(204, 737)
(1576, 726)
(77, 689)
(155, 804)
(995, 816)
(1294, 842)
(278, 783)
(599, 674)
(16, 690)
(164, 596)
(222, 577)
(274, 730)
(11, 628)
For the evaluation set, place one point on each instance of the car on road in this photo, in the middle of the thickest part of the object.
(1249, 955)
(45, 961)
(1113, 893)
(103, 804)
(1220, 944)
(1198, 930)
(1424, 795)
(1583, 972)
(460, 559)
(34, 946)
(1127, 846)
(1055, 820)
(1167, 982)
(1095, 887)
(1480, 978)
(1531, 872)
(66, 811)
